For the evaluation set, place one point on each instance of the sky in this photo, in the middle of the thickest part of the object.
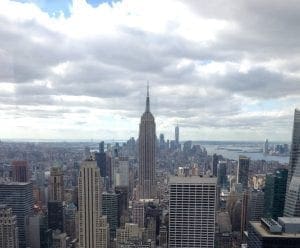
(76, 69)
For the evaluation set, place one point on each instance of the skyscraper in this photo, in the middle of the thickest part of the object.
(8, 228)
(292, 200)
(19, 197)
(222, 174)
(56, 197)
(91, 231)
(192, 210)
(20, 171)
(275, 188)
(56, 189)
(147, 140)
(177, 135)
(243, 170)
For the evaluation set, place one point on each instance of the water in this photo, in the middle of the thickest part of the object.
(211, 149)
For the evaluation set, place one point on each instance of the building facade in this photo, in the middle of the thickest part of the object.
(91, 232)
(243, 171)
(292, 200)
(147, 161)
(192, 210)
(19, 197)
(8, 228)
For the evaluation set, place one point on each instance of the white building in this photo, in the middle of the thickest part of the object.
(192, 212)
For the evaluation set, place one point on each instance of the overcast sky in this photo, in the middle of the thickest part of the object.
(224, 70)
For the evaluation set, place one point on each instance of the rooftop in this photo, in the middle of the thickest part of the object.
(264, 233)
(193, 180)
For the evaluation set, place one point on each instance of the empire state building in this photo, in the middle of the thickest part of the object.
(147, 139)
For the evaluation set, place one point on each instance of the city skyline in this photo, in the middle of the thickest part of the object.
(76, 70)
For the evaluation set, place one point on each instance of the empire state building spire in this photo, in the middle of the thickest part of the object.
(148, 99)
(147, 139)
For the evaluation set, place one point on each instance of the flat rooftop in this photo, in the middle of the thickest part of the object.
(290, 220)
(264, 233)
(192, 180)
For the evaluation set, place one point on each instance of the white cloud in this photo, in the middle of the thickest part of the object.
(213, 66)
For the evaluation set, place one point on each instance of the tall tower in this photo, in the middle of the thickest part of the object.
(192, 208)
(147, 140)
(93, 230)
(177, 134)
(292, 200)
(243, 170)
(56, 184)
(56, 198)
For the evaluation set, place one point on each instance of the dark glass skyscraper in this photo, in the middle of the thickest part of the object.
(243, 170)
(19, 197)
(275, 189)
(147, 139)
(292, 201)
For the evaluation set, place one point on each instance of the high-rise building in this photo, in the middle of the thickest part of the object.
(19, 197)
(101, 160)
(138, 213)
(147, 161)
(243, 171)
(56, 187)
(56, 198)
(177, 135)
(56, 215)
(20, 171)
(272, 234)
(192, 209)
(222, 174)
(8, 228)
(292, 200)
(39, 235)
(266, 147)
(92, 233)
(215, 161)
(275, 188)
(110, 209)
(70, 220)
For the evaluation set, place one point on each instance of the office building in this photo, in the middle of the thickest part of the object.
(70, 221)
(177, 135)
(223, 230)
(192, 209)
(243, 171)
(56, 184)
(19, 197)
(272, 234)
(147, 161)
(56, 215)
(20, 171)
(222, 174)
(215, 161)
(138, 213)
(110, 203)
(39, 235)
(8, 228)
(101, 160)
(92, 232)
(292, 200)
(275, 189)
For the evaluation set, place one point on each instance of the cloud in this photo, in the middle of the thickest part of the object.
(213, 66)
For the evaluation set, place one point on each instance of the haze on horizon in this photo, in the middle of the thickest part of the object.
(222, 70)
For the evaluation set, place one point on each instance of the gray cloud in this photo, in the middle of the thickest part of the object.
(113, 71)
